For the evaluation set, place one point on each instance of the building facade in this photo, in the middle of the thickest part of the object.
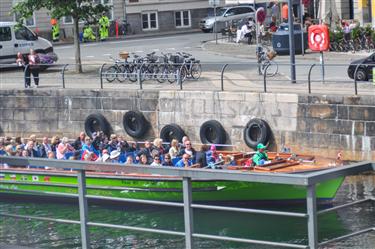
(142, 16)
(153, 16)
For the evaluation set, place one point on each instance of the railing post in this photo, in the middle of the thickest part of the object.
(63, 75)
(139, 78)
(25, 75)
(355, 79)
(179, 80)
(101, 75)
(309, 77)
(222, 76)
(265, 78)
(83, 209)
(188, 212)
(312, 225)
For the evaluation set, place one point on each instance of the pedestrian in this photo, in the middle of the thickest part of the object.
(103, 27)
(32, 68)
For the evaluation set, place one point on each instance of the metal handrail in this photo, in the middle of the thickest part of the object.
(355, 79)
(63, 75)
(222, 76)
(101, 75)
(309, 180)
(309, 77)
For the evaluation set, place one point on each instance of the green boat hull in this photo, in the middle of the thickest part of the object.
(159, 188)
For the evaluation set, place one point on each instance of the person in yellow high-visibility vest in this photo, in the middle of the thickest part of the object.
(55, 30)
(88, 33)
(103, 27)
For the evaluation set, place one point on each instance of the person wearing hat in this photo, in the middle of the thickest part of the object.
(260, 156)
(115, 156)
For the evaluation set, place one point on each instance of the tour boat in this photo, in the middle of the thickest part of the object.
(44, 182)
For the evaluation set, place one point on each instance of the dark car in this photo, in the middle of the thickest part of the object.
(364, 71)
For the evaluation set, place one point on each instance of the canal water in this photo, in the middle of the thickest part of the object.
(41, 234)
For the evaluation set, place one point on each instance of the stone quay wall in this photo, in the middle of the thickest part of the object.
(318, 124)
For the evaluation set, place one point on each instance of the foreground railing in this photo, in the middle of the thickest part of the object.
(187, 175)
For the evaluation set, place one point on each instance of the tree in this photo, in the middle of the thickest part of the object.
(85, 10)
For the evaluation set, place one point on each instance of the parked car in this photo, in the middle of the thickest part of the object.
(16, 38)
(226, 14)
(364, 71)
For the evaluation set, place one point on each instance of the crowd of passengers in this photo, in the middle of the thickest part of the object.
(115, 149)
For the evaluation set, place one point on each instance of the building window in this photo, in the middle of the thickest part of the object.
(149, 20)
(68, 20)
(30, 22)
(182, 18)
(108, 3)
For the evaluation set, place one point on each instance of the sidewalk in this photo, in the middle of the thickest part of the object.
(243, 50)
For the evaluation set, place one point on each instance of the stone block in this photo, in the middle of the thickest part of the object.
(148, 95)
(228, 96)
(251, 97)
(167, 105)
(303, 125)
(149, 105)
(365, 113)
(352, 100)
(303, 98)
(124, 104)
(331, 126)
(49, 114)
(342, 112)
(50, 102)
(251, 109)
(80, 103)
(267, 97)
(286, 98)
(197, 94)
(283, 124)
(370, 129)
(166, 118)
(32, 115)
(321, 111)
(167, 94)
(6, 114)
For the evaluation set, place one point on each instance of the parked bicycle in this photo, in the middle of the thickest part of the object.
(265, 59)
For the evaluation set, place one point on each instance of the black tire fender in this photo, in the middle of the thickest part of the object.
(212, 132)
(135, 124)
(172, 131)
(256, 131)
(97, 122)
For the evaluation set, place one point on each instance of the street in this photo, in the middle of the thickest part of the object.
(241, 73)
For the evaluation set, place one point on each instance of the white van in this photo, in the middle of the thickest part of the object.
(16, 38)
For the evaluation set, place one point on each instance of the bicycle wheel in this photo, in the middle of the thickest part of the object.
(122, 74)
(162, 74)
(183, 73)
(133, 73)
(196, 70)
(272, 68)
(172, 74)
(111, 73)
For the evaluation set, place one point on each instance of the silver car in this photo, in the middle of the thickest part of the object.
(226, 14)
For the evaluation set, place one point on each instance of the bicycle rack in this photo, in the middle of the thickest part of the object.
(222, 76)
(63, 75)
(101, 75)
(309, 77)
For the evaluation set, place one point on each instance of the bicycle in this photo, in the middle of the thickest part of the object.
(266, 62)
(192, 66)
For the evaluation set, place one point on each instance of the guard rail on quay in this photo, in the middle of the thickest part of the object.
(215, 76)
(306, 180)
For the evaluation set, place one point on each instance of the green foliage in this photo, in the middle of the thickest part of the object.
(84, 10)
(356, 32)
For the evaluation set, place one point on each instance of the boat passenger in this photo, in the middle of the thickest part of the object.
(189, 150)
(143, 160)
(115, 156)
(174, 150)
(147, 152)
(55, 140)
(260, 157)
(184, 162)
(201, 156)
(45, 147)
(64, 149)
(158, 146)
(113, 143)
(78, 143)
(129, 159)
(212, 155)
(167, 160)
(184, 140)
(157, 161)
(31, 149)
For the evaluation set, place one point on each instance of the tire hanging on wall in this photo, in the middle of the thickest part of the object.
(135, 124)
(212, 132)
(256, 131)
(97, 122)
(172, 131)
